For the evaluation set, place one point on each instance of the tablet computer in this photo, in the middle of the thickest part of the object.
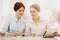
(49, 33)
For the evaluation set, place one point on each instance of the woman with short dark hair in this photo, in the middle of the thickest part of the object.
(18, 5)
(15, 24)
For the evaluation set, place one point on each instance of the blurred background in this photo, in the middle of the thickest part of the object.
(47, 8)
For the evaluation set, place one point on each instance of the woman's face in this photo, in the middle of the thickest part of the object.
(20, 11)
(33, 12)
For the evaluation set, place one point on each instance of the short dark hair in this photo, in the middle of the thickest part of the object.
(18, 5)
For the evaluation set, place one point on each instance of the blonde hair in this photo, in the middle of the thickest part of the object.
(36, 6)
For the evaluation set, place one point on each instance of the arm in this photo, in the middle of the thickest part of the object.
(28, 31)
(6, 25)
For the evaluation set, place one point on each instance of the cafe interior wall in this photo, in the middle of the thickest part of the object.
(47, 7)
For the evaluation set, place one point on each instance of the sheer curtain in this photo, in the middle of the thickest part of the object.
(5, 10)
(0, 13)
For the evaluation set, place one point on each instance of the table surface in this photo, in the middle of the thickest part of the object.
(28, 38)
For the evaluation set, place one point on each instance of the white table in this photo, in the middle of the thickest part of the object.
(28, 38)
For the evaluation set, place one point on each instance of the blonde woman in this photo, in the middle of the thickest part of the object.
(36, 24)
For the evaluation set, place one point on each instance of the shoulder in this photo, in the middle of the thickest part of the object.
(8, 18)
(44, 20)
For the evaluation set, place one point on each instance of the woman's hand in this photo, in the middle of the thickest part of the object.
(13, 34)
(55, 34)
(27, 34)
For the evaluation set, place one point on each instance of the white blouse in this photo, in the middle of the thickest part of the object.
(14, 25)
(39, 28)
